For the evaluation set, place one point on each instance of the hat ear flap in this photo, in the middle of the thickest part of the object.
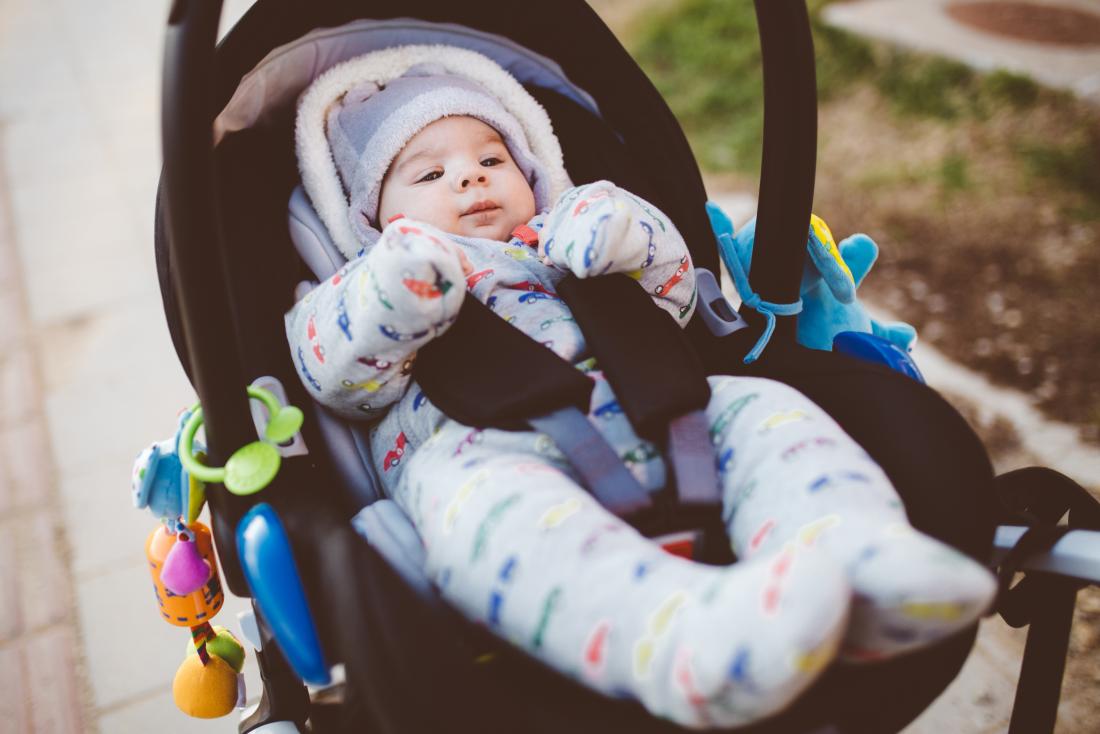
(826, 258)
(361, 92)
(426, 68)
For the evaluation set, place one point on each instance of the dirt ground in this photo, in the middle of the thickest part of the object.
(994, 272)
(995, 267)
(1044, 23)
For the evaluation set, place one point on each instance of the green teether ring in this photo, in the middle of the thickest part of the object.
(251, 467)
(282, 421)
(196, 469)
(264, 396)
(282, 426)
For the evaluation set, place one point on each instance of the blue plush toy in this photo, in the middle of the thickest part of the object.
(829, 281)
(161, 484)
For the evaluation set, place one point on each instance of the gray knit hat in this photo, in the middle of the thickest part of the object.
(369, 126)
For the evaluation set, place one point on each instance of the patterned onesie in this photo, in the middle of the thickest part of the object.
(515, 543)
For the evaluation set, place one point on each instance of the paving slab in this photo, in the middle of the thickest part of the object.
(924, 25)
(127, 667)
(52, 667)
(158, 712)
(13, 704)
(980, 698)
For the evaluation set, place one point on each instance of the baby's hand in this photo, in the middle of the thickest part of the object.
(600, 228)
(420, 274)
(596, 229)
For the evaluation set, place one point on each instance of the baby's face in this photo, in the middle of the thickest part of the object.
(456, 174)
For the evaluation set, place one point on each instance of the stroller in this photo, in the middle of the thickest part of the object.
(325, 594)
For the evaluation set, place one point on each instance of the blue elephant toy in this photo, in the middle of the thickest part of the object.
(161, 484)
(829, 281)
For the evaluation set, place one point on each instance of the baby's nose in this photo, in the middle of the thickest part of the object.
(467, 179)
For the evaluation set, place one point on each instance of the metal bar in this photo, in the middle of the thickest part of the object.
(1035, 709)
(790, 155)
(1077, 554)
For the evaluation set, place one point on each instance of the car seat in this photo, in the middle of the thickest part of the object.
(228, 271)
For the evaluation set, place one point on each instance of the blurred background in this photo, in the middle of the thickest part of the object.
(962, 135)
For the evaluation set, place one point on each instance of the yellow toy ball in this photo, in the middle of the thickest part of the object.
(205, 691)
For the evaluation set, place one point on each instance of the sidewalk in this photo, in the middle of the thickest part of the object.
(88, 377)
(925, 25)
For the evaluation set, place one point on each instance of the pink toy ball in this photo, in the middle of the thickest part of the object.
(184, 571)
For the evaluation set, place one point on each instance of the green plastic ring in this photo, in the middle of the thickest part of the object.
(194, 467)
(185, 448)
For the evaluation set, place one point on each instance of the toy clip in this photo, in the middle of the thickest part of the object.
(254, 465)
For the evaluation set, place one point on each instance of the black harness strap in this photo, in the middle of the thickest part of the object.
(643, 353)
(662, 387)
(484, 372)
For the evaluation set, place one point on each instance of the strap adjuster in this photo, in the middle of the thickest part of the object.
(603, 472)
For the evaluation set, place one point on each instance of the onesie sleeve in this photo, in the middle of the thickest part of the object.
(600, 228)
(354, 337)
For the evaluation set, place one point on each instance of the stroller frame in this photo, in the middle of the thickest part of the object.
(200, 277)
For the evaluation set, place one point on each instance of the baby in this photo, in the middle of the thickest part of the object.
(448, 202)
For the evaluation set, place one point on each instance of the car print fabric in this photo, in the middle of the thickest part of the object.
(828, 559)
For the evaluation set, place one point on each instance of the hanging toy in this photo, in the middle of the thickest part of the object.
(185, 571)
(162, 484)
(168, 479)
(203, 601)
(209, 683)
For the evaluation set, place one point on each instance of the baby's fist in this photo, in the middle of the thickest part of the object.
(423, 270)
(597, 229)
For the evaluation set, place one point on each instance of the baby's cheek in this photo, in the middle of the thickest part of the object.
(442, 222)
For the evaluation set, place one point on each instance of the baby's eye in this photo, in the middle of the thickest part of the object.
(491, 161)
(430, 176)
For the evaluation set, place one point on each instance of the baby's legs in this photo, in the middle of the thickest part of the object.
(790, 473)
(516, 544)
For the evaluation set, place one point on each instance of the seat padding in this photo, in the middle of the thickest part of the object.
(310, 237)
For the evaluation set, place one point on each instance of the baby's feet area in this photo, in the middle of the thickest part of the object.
(419, 277)
(910, 591)
(516, 546)
(594, 230)
(746, 643)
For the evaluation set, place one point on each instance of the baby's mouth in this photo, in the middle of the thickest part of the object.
(481, 206)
